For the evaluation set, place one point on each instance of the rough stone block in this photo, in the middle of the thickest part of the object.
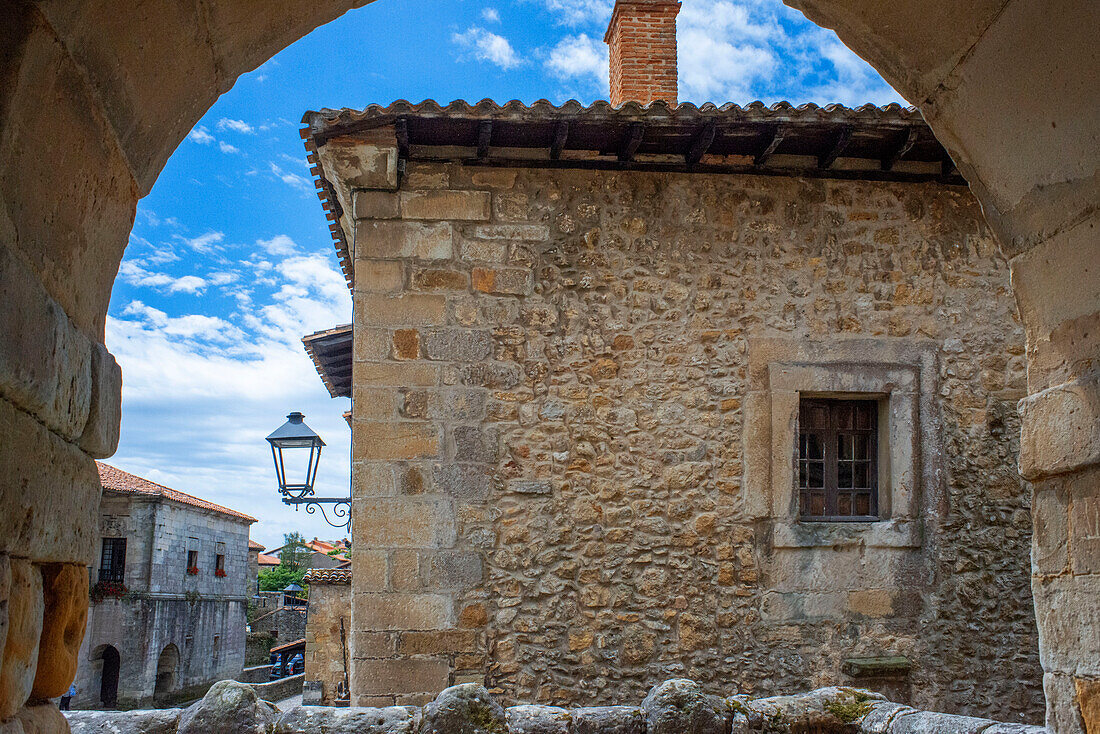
(470, 206)
(404, 440)
(449, 404)
(609, 720)
(380, 677)
(65, 592)
(523, 232)
(476, 443)
(679, 705)
(406, 344)
(492, 374)
(502, 281)
(371, 345)
(374, 205)
(492, 251)
(871, 602)
(101, 431)
(467, 708)
(464, 482)
(530, 486)
(372, 479)
(352, 720)
(396, 375)
(228, 707)
(411, 309)
(374, 403)
(360, 165)
(438, 642)
(1084, 537)
(528, 719)
(437, 279)
(162, 721)
(460, 570)
(929, 722)
(1060, 429)
(379, 276)
(1068, 618)
(42, 719)
(25, 610)
(389, 239)
(404, 522)
(370, 569)
(373, 644)
(457, 345)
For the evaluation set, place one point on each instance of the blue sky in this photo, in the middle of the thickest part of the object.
(230, 261)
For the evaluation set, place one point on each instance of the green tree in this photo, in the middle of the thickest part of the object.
(280, 577)
(295, 553)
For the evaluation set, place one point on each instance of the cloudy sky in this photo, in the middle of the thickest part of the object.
(230, 261)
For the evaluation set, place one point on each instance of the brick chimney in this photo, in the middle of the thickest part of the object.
(642, 37)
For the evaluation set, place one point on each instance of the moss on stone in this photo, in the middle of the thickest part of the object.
(850, 706)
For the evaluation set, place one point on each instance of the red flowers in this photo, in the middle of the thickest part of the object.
(193, 570)
(107, 590)
(220, 573)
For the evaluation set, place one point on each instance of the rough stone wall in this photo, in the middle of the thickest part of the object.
(166, 605)
(329, 605)
(550, 376)
(285, 624)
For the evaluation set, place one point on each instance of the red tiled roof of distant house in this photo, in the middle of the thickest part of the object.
(116, 480)
(266, 560)
(254, 546)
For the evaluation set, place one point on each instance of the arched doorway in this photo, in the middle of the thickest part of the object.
(108, 676)
(167, 672)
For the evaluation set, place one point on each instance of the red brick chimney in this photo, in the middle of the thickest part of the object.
(642, 37)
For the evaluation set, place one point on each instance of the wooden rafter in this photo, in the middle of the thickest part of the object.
(631, 141)
(701, 144)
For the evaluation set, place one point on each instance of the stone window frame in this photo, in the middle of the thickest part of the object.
(901, 374)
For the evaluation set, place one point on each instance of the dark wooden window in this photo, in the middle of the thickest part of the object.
(838, 459)
(192, 559)
(112, 560)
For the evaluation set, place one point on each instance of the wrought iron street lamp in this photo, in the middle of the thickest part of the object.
(296, 450)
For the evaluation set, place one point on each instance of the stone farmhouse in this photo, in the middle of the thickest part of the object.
(93, 103)
(168, 598)
(643, 390)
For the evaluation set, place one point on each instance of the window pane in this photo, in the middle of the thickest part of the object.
(802, 475)
(815, 474)
(811, 446)
(817, 504)
(844, 474)
(863, 416)
(860, 446)
(860, 475)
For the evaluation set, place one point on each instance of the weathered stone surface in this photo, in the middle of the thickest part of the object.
(384, 239)
(229, 707)
(42, 719)
(1060, 428)
(608, 720)
(65, 591)
(679, 706)
(355, 720)
(1088, 702)
(464, 709)
(929, 722)
(457, 345)
(25, 608)
(529, 719)
(159, 721)
(440, 204)
(101, 431)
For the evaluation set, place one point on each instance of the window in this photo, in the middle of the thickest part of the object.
(192, 562)
(217, 646)
(112, 561)
(219, 565)
(837, 467)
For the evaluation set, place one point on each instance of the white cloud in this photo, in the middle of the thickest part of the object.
(201, 392)
(227, 148)
(205, 243)
(133, 273)
(293, 179)
(576, 12)
(280, 244)
(490, 15)
(239, 126)
(488, 46)
(201, 136)
(580, 57)
(222, 277)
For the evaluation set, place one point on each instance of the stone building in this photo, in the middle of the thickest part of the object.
(643, 391)
(328, 632)
(169, 596)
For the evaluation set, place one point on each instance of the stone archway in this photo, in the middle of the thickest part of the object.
(168, 665)
(93, 101)
(109, 666)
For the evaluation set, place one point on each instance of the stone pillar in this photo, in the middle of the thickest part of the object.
(425, 443)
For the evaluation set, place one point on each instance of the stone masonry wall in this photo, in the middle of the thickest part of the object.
(550, 385)
(329, 605)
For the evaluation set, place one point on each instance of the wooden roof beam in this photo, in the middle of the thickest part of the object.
(561, 134)
(844, 136)
(899, 152)
(401, 132)
(701, 144)
(484, 136)
(778, 133)
(631, 141)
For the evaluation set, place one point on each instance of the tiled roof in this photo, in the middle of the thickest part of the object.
(266, 560)
(253, 545)
(116, 480)
(328, 576)
(330, 351)
(837, 141)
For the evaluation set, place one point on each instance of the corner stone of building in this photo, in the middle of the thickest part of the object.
(678, 706)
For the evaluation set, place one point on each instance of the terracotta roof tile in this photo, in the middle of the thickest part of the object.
(328, 576)
(116, 480)
(253, 545)
(266, 560)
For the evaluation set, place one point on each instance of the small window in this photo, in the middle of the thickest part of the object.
(219, 565)
(192, 562)
(112, 561)
(837, 459)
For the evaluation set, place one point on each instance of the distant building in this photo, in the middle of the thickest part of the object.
(169, 596)
(327, 636)
(323, 554)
